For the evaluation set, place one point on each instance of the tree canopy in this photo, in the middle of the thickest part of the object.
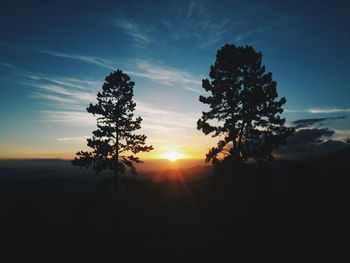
(244, 109)
(113, 142)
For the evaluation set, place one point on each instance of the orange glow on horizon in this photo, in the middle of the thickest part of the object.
(172, 156)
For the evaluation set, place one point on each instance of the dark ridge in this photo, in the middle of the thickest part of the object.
(277, 212)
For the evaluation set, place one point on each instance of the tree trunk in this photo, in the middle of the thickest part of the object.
(116, 154)
(240, 138)
(116, 166)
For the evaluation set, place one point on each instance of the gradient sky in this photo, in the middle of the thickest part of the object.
(54, 57)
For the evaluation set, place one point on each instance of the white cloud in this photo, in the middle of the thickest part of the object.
(75, 118)
(341, 134)
(319, 110)
(328, 110)
(200, 22)
(193, 90)
(7, 65)
(140, 68)
(159, 121)
(148, 109)
(292, 111)
(191, 7)
(164, 75)
(73, 139)
(75, 96)
(72, 96)
(106, 63)
(68, 82)
(164, 121)
(67, 93)
(139, 33)
(51, 97)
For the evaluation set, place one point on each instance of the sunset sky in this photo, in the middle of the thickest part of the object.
(54, 58)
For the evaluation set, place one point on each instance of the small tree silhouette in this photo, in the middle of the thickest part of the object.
(243, 111)
(113, 142)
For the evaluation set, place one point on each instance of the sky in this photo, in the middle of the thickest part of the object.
(54, 58)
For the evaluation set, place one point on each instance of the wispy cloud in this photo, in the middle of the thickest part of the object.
(77, 139)
(328, 110)
(195, 20)
(139, 33)
(146, 108)
(68, 98)
(31, 77)
(164, 75)
(193, 90)
(81, 96)
(190, 8)
(292, 111)
(50, 97)
(162, 121)
(201, 22)
(217, 29)
(68, 82)
(93, 60)
(319, 110)
(159, 121)
(309, 122)
(140, 68)
(102, 62)
(7, 65)
(75, 118)
(341, 134)
(198, 21)
(65, 92)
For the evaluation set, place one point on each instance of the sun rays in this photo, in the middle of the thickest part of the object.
(172, 156)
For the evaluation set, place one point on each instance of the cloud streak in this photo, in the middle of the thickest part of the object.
(308, 122)
(77, 139)
(193, 90)
(73, 95)
(68, 97)
(328, 110)
(68, 82)
(66, 92)
(200, 22)
(74, 118)
(141, 68)
(50, 97)
(319, 110)
(164, 121)
(7, 65)
(164, 75)
(102, 62)
(139, 33)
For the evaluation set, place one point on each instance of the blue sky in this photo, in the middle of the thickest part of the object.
(54, 57)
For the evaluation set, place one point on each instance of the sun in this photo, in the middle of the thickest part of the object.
(172, 156)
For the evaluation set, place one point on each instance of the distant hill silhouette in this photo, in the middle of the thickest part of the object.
(185, 174)
(339, 157)
(284, 211)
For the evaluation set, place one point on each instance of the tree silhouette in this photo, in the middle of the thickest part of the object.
(244, 111)
(113, 143)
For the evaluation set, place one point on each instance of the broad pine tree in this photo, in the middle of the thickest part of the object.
(114, 142)
(244, 110)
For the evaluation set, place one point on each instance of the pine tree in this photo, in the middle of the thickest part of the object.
(114, 142)
(244, 110)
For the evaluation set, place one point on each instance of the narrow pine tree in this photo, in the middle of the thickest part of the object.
(244, 110)
(114, 142)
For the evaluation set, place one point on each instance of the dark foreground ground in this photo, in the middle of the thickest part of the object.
(281, 212)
